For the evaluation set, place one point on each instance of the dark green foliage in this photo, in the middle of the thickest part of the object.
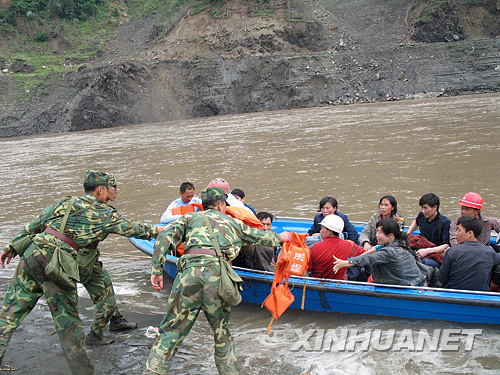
(435, 7)
(64, 9)
(116, 12)
(21, 7)
(432, 9)
(41, 36)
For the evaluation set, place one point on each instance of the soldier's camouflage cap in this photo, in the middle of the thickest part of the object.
(112, 180)
(213, 194)
(100, 178)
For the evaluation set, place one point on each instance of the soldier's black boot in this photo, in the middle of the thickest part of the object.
(93, 339)
(119, 323)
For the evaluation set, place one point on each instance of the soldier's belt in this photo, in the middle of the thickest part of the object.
(204, 251)
(62, 237)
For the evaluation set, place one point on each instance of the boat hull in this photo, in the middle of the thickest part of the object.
(361, 298)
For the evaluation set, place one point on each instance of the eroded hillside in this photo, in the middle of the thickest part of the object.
(254, 56)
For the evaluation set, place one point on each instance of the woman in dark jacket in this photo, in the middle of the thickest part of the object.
(328, 206)
(392, 262)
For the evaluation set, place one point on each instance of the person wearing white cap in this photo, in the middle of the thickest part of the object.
(322, 253)
(472, 204)
(230, 198)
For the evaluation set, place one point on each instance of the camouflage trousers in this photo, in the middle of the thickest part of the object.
(28, 285)
(194, 289)
(101, 292)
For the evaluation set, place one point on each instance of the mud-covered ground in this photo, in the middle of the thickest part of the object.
(35, 348)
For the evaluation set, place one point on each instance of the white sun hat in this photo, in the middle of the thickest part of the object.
(333, 222)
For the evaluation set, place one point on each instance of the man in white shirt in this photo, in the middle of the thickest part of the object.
(187, 197)
(230, 198)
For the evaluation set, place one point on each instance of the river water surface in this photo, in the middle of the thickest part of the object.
(285, 161)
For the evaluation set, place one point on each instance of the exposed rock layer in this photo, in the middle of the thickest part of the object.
(257, 70)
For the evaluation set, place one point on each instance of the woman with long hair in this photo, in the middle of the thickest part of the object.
(388, 208)
(392, 262)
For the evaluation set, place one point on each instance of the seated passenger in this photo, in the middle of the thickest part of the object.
(393, 263)
(388, 207)
(240, 195)
(328, 206)
(261, 257)
(230, 198)
(321, 258)
(187, 197)
(472, 204)
(468, 265)
(434, 227)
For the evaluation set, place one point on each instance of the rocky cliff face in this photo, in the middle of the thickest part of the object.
(263, 67)
(434, 21)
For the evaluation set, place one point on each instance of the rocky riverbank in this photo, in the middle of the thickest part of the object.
(354, 53)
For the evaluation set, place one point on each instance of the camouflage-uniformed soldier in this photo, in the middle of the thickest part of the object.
(197, 280)
(43, 248)
(97, 282)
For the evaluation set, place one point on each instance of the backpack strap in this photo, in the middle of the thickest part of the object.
(66, 214)
(59, 234)
(212, 235)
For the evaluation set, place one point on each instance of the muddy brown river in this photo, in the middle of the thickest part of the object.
(285, 161)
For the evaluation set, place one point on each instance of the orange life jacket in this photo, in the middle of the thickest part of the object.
(295, 254)
(244, 215)
(293, 260)
(238, 213)
(182, 210)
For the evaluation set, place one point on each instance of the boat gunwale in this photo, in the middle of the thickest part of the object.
(388, 291)
(327, 287)
(339, 287)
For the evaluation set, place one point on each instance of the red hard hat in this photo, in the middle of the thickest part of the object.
(472, 200)
(221, 183)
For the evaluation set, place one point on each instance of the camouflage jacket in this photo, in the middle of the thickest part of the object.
(231, 234)
(89, 222)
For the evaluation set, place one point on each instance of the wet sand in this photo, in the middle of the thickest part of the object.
(35, 348)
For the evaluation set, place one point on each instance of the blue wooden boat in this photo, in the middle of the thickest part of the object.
(361, 298)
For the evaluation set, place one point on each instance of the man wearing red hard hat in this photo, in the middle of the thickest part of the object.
(230, 198)
(472, 204)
